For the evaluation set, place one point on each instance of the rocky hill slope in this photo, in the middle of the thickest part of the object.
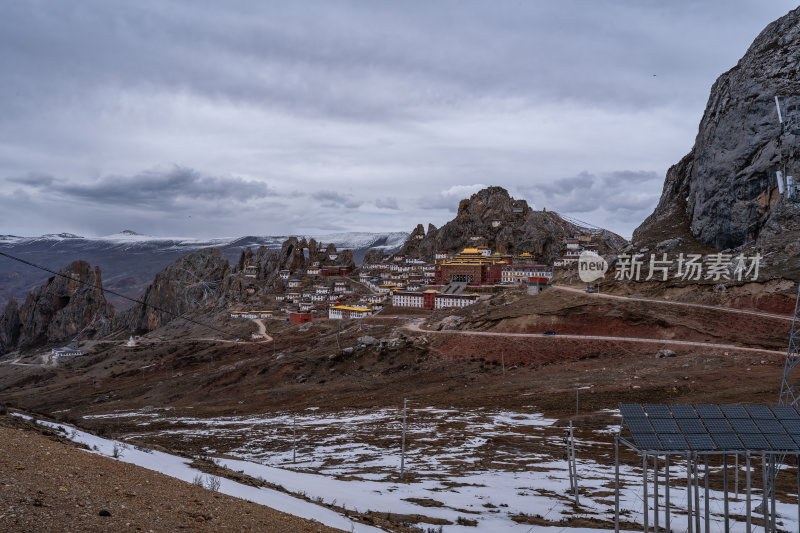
(58, 310)
(491, 217)
(724, 193)
(91, 496)
(205, 279)
(130, 260)
(182, 286)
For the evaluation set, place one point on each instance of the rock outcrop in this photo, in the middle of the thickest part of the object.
(58, 310)
(724, 192)
(10, 326)
(192, 282)
(204, 279)
(491, 217)
(373, 256)
(297, 254)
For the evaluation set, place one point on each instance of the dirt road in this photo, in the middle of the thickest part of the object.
(414, 326)
(671, 302)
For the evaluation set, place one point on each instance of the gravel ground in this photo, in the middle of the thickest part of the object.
(47, 485)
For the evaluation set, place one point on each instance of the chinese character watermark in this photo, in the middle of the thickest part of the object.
(691, 267)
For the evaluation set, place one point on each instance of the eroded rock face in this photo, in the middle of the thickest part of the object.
(9, 327)
(724, 192)
(373, 256)
(191, 282)
(58, 310)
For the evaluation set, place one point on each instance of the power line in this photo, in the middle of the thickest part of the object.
(140, 302)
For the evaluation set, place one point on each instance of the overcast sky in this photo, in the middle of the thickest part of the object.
(231, 118)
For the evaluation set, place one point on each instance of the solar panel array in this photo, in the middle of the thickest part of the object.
(686, 427)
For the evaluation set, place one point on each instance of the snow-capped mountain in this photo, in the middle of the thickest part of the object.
(129, 260)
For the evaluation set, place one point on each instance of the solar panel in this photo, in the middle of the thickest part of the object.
(792, 426)
(656, 410)
(700, 442)
(708, 411)
(640, 425)
(717, 425)
(682, 410)
(770, 426)
(710, 427)
(646, 441)
(691, 425)
(727, 441)
(753, 441)
(785, 412)
(760, 412)
(673, 441)
(741, 426)
(781, 442)
(663, 425)
(734, 411)
(631, 410)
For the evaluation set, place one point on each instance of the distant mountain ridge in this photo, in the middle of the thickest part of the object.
(129, 260)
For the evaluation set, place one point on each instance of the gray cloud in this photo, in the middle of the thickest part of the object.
(32, 180)
(151, 188)
(335, 199)
(618, 199)
(449, 198)
(305, 100)
(336, 59)
(388, 202)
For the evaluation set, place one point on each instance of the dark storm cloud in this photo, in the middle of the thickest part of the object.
(321, 97)
(352, 58)
(152, 188)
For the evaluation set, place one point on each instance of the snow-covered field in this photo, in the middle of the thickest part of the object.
(501, 469)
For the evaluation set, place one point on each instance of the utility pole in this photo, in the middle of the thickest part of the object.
(569, 457)
(403, 442)
(294, 438)
(573, 465)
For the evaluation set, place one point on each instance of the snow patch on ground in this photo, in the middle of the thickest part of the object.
(352, 458)
(179, 468)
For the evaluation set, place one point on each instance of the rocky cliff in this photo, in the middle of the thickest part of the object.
(724, 193)
(58, 310)
(192, 282)
(491, 217)
(10, 326)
